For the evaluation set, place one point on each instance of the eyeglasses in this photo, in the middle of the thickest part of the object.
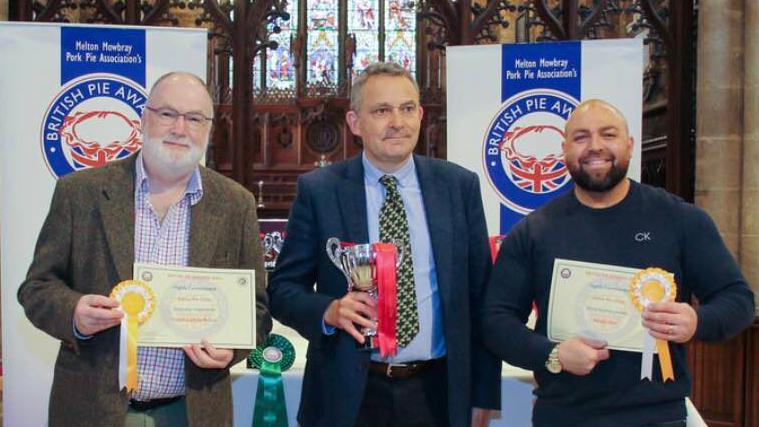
(169, 116)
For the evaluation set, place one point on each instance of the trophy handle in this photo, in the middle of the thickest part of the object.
(334, 252)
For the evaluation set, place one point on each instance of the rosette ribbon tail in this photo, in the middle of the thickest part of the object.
(647, 361)
(131, 353)
(665, 361)
(123, 353)
(274, 357)
(386, 304)
(270, 409)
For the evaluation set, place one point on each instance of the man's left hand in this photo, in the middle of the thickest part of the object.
(207, 356)
(671, 321)
(481, 417)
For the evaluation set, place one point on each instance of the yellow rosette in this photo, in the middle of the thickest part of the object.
(649, 286)
(137, 302)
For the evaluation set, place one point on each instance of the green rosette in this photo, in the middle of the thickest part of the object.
(274, 357)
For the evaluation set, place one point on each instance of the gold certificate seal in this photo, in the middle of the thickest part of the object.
(649, 286)
(138, 303)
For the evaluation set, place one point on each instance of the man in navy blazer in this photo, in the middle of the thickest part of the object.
(443, 376)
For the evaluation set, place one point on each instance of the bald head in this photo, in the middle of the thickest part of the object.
(599, 105)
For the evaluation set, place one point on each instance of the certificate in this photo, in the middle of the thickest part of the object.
(593, 301)
(195, 303)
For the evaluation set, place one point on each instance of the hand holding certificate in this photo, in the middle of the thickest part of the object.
(604, 302)
(193, 304)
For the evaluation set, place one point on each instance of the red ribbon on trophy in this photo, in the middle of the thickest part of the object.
(385, 263)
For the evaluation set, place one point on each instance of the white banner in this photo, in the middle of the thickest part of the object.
(72, 99)
(507, 105)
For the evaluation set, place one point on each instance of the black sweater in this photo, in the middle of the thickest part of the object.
(648, 228)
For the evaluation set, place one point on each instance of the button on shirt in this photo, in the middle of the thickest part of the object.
(429, 343)
(161, 370)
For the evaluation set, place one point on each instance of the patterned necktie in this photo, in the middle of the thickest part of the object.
(393, 226)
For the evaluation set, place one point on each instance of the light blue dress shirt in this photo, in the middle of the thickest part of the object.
(429, 343)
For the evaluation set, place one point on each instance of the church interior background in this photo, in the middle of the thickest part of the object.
(280, 72)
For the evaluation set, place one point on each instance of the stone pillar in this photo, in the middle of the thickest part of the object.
(719, 116)
(749, 235)
(3, 10)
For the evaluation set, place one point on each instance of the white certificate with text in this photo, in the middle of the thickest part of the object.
(593, 301)
(195, 303)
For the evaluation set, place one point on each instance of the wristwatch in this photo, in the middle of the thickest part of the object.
(553, 365)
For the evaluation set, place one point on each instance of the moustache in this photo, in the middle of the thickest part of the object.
(395, 135)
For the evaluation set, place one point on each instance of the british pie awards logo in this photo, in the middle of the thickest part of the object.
(92, 120)
(522, 149)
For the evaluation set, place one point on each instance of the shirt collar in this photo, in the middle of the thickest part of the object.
(194, 186)
(406, 175)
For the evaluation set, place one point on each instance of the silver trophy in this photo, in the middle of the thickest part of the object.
(272, 245)
(358, 265)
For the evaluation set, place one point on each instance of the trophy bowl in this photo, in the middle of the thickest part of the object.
(357, 262)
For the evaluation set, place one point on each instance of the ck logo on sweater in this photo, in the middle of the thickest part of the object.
(643, 236)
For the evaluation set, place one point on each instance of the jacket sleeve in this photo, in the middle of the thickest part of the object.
(508, 302)
(294, 301)
(251, 256)
(486, 368)
(46, 294)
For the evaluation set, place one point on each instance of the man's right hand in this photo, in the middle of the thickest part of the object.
(351, 312)
(95, 313)
(580, 356)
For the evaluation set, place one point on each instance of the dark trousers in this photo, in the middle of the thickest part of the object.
(173, 414)
(418, 401)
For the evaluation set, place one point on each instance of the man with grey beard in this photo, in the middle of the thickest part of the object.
(158, 207)
(609, 219)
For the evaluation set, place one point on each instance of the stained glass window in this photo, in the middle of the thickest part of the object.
(280, 70)
(400, 33)
(256, 71)
(366, 19)
(363, 22)
(322, 47)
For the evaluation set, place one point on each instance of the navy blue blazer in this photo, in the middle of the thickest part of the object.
(331, 202)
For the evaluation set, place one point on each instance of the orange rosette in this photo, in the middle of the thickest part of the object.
(649, 286)
(138, 303)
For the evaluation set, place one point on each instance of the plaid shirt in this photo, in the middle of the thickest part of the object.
(167, 242)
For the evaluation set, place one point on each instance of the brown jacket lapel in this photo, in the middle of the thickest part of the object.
(207, 222)
(117, 212)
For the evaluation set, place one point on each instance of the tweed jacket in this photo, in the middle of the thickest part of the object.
(86, 246)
